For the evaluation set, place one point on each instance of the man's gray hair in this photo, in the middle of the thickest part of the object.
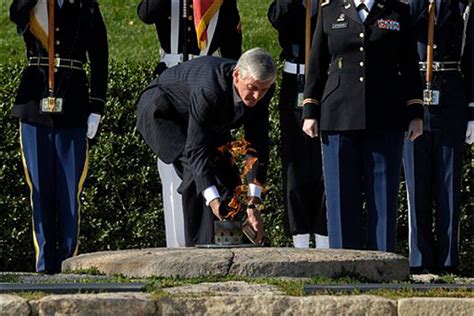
(258, 64)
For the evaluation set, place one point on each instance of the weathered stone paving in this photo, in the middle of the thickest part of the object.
(248, 262)
(230, 298)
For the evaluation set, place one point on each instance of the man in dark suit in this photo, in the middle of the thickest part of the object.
(303, 187)
(179, 23)
(54, 145)
(363, 90)
(188, 112)
(433, 163)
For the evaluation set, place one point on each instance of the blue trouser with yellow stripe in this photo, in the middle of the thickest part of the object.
(55, 161)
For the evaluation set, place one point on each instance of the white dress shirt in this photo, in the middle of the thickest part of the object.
(211, 192)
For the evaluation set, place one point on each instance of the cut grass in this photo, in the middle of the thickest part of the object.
(9, 278)
(89, 271)
(132, 41)
(288, 286)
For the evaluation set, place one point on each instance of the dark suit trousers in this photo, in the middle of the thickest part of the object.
(198, 217)
(357, 163)
(433, 167)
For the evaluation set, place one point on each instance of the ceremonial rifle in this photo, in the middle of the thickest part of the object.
(51, 104)
(307, 33)
(428, 92)
(184, 30)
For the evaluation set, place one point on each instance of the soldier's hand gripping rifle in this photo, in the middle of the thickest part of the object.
(429, 96)
(51, 104)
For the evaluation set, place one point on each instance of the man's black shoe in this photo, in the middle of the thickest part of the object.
(419, 270)
(46, 272)
(448, 270)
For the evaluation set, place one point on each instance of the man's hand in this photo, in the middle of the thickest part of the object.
(255, 221)
(415, 129)
(215, 205)
(92, 125)
(470, 133)
(310, 127)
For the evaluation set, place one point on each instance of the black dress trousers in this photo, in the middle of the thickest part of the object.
(303, 185)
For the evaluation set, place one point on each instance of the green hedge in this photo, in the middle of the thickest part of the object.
(121, 201)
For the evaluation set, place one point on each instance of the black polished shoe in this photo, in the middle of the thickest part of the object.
(448, 270)
(419, 270)
(46, 272)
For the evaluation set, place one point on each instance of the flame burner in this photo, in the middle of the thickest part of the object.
(228, 232)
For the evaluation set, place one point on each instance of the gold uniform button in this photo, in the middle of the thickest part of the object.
(55, 69)
(361, 64)
(435, 46)
(190, 18)
(58, 42)
(56, 55)
(361, 49)
(189, 28)
(361, 35)
(169, 18)
(361, 79)
(57, 29)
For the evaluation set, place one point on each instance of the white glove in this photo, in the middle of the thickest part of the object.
(470, 133)
(92, 124)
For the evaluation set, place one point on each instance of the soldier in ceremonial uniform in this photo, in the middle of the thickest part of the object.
(207, 27)
(433, 163)
(363, 91)
(188, 112)
(53, 141)
(303, 185)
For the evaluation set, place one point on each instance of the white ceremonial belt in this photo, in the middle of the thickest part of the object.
(173, 59)
(292, 68)
(441, 66)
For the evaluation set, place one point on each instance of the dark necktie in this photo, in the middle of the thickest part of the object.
(362, 6)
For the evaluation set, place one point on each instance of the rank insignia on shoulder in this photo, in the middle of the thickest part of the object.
(391, 25)
(325, 2)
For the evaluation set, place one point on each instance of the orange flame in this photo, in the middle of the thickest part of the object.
(236, 148)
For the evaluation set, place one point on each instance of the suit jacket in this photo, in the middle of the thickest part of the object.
(189, 111)
(363, 75)
(227, 37)
(455, 87)
(79, 35)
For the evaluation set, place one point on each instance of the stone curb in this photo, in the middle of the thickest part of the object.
(248, 262)
(14, 305)
(146, 304)
(442, 306)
